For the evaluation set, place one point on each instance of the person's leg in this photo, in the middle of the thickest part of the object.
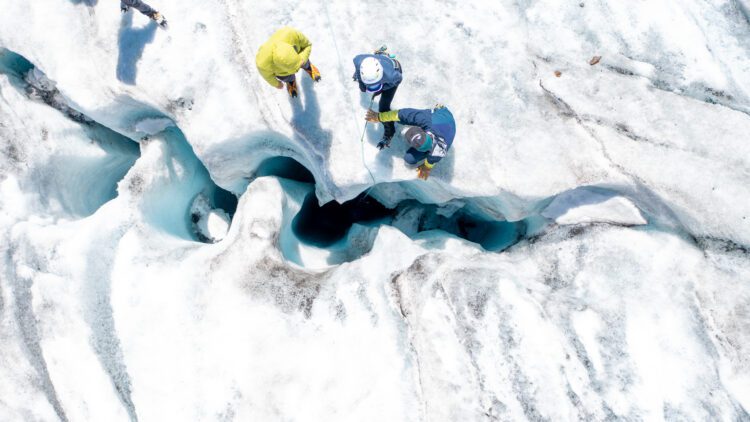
(140, 6)
(414, 157)
(290, 81)
(311, 70)
(287, 79)
(386, 97)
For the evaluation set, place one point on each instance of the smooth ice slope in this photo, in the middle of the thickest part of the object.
(586, 205)
(625, 297)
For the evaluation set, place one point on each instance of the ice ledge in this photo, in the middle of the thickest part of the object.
(592, 205)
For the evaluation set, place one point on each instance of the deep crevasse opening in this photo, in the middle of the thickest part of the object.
(318, 235)
(198, 209)
(83, 170)
(184, 202)
(82, 161)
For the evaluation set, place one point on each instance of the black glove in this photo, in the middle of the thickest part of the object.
(384, 143)
(124, 8)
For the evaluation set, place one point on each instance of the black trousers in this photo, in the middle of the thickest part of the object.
(293, 77)
(386, 98)
(139, 5)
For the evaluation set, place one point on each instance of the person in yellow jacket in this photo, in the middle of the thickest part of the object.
(282, 56)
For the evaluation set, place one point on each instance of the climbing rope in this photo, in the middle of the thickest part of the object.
(342, 78)
(364, 130)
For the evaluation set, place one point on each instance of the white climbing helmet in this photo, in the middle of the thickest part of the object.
(370, 71)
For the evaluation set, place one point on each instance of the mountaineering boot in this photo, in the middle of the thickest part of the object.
(159, 18)
(291, 88)
(313, 72)
(384, 143)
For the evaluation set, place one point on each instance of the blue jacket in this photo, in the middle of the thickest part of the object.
(439, 122)
(391, 71)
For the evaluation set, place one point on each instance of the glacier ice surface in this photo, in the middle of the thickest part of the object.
(581, 254)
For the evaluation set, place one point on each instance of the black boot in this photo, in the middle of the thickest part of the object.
(385, 142)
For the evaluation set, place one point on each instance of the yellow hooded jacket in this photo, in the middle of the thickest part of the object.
(283, 54)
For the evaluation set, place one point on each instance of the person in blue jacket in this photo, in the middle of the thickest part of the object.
(429, 137)
(379, 74)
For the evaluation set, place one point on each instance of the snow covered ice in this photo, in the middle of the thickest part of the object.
(582, 253)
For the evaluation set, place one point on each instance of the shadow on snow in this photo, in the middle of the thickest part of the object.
(132, 43)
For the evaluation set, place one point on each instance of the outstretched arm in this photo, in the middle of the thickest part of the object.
(408, 116)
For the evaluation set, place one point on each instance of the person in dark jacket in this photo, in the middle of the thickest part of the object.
(379, 74)
(429, 137)
(144, 8)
